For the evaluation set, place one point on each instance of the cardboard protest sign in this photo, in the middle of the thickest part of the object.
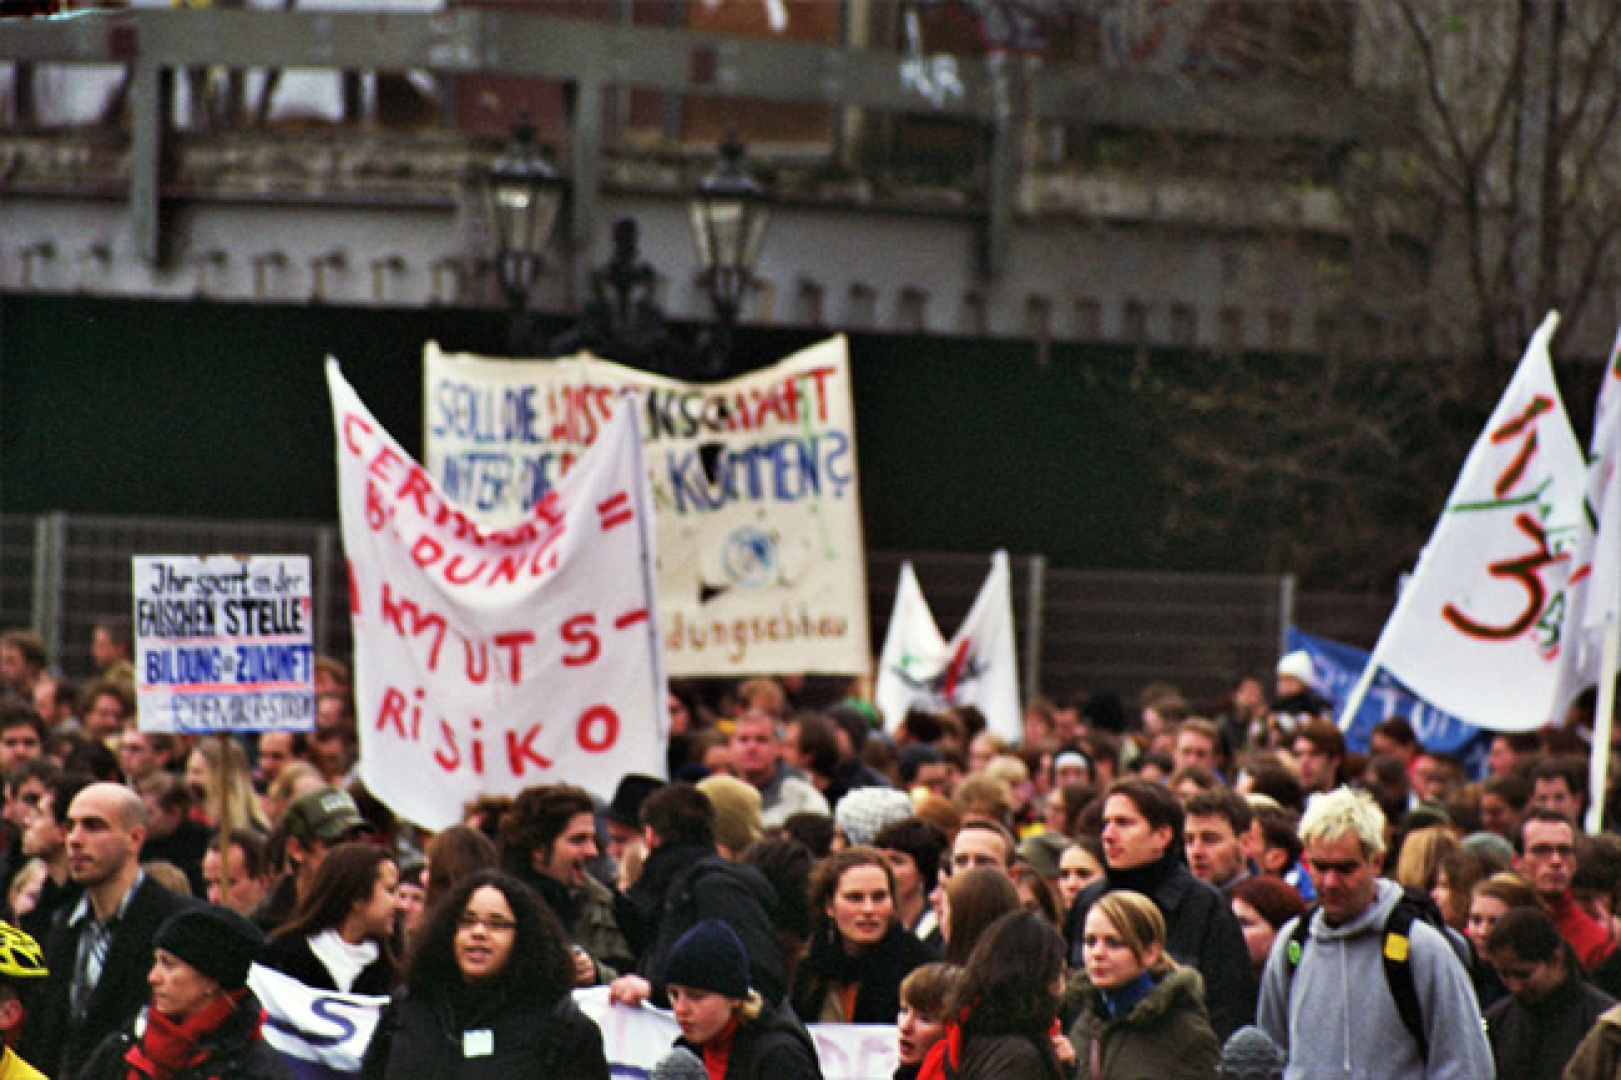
(1478, 632)
(920, 669)
(489, 660)
(761, 565)
(222, 643)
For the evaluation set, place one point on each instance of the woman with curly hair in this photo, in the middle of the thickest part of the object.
(859, 952)
(487, 994)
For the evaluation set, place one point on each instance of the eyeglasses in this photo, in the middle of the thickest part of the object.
(1543, 851)
(495, 924)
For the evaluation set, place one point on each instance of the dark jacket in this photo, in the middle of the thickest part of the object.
(422, 1037)
(683, 884)
(236, 1051)
(53, 1042)
(185, 847)
(1534, 1041)
(1007, 1057)
(293, 957)
(1201, 932)
(772, 1046)
(587, 914)
(877, 972)
(1167, 1036)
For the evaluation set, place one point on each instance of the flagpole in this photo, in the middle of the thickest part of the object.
(1353, 704)
(1603, 722)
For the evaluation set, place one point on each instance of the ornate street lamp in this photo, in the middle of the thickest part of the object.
(523, 195)
(729, 214)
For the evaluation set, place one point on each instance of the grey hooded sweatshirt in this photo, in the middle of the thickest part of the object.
(1338, 1018)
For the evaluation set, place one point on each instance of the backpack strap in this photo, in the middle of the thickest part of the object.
(1397, 955)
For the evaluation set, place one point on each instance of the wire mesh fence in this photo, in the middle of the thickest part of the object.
(1077, 630)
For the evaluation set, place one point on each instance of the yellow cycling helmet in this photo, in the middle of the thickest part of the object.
(20, 955)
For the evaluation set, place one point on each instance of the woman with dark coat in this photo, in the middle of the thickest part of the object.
(859, 952)
(1005, 1006)
(723, 1022)
(202, 1021)
(487, 995)
(1141, 1015)
(340, 936)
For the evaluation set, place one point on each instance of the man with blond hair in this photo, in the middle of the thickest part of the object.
(1329, 998)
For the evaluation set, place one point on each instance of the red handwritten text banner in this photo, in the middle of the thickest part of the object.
(491, 659)
(1479, 631)
(761, 568)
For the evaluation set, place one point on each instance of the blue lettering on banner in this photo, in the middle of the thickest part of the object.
(787, 470)
(184, 665)
(201, 714)
(486, 415)
(275, 663)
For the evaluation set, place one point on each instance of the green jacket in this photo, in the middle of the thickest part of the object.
(1166, 1037)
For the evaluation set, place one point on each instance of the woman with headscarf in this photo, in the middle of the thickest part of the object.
(202, 1020)
(724, 1022)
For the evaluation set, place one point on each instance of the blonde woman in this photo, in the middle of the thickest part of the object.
(1139, 1012)
(203, 771)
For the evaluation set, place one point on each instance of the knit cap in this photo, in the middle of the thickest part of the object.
(710, 957)
(1250, 1055)
(737, 810)
(864, 811)
(216, 941)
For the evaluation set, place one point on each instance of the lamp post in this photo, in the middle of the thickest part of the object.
(523, 195)
(622, 320)
(729, 214)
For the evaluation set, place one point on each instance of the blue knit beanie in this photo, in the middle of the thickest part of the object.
(710, 957)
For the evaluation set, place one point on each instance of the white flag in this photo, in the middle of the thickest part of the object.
(1478, 632)
(490, 660)
(920, 669)
(1596, 574)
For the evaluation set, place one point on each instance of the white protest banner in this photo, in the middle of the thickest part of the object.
(323, 1035)
(490, 660)
(637, 1039)
(222, 643)
(320, 1035)
(920, 669)
(1478, 632)
(761, 565)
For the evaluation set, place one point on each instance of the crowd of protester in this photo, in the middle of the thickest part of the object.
(1153, 888)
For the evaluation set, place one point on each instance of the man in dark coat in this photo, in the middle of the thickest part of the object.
(1549, 1008)
(100, 949)
(1142, 851)
(685, 881)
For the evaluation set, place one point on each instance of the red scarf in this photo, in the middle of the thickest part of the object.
(718, 1051)
(945, 1056)
(168, 1048)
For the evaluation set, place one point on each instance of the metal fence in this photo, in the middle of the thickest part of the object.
(1076, 629)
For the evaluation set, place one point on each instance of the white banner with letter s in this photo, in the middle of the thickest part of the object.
(490, 660)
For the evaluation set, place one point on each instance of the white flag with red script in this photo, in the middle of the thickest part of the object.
(1480, 630)
(489, 660)
(919, 668)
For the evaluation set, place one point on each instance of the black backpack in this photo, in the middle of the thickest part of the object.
(1395, 951)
